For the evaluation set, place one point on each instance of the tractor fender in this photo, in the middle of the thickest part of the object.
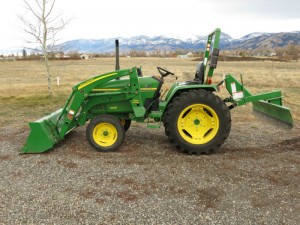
(179, 88)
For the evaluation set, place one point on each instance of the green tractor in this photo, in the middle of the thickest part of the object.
(195, 119)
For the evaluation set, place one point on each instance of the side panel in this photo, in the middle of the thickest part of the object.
(114, 97)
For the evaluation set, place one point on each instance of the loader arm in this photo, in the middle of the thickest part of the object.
(49, 130)
(82, 90)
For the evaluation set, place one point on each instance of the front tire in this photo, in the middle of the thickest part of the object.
(197, 122)
(105, 133)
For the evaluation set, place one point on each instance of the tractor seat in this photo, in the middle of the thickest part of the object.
(199, 75)
(139, 72)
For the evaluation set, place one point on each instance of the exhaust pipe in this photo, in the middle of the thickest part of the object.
(117, 55)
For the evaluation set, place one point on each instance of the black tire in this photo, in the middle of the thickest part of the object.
(197, 122)
(125, 123)
(105, 133)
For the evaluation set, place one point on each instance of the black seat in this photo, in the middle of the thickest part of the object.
(139, 72)
(199, 75)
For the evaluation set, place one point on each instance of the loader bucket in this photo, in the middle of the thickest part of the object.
(43, 135)
(277, 112)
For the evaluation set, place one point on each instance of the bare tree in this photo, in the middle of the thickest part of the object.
(280, 52)
(293, 51)
(42, 28)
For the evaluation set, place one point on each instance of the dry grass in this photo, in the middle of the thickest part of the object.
(23, 85)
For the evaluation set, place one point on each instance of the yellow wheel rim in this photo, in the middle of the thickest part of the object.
(105, 134)
(198, 124)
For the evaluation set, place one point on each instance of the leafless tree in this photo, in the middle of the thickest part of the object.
(42, 27)
(280, 52)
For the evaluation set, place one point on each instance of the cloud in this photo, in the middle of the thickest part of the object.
(178, 18)
(271, 9)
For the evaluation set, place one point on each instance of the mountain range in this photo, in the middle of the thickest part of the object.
(145, 43)
(251, 41)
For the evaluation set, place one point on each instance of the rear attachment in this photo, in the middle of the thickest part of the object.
(268, 104)
(277, 115)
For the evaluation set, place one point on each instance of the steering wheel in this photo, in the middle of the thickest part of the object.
(164, 72)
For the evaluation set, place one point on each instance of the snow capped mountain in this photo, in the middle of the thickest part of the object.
(254, 35)
(141, 42)
(194, 42)
(226, 38)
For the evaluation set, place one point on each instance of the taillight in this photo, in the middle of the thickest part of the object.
(209, 80)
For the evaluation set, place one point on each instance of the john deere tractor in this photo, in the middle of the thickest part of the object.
(195, 119)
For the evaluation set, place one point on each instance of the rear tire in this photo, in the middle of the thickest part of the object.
(197, 122)
(105, 133)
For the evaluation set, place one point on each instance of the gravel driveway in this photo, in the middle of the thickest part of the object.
(254, 179)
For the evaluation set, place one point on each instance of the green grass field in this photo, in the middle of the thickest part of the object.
(24, 96)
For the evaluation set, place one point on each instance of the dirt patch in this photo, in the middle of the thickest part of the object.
(127, 196)
(279, 177)
(88, 194)
(66, 164)
(263, 200)
(209, 197)
(100, 201)
(5, 157)
(176, 190)
(292, 144)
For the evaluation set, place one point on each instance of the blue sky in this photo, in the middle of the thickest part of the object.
(95, 19)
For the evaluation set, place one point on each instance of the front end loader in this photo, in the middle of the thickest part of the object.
(195, 119)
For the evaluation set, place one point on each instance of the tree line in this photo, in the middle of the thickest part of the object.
(288, 52)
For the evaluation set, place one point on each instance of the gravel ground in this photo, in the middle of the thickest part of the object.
(254, 179)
